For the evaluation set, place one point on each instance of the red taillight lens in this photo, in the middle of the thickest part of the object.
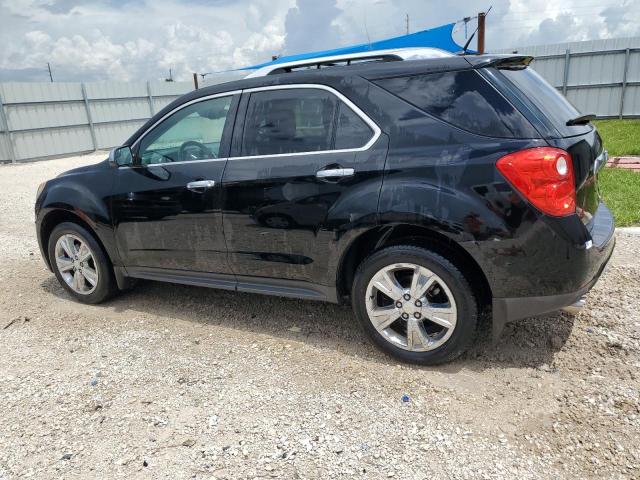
(544, 175)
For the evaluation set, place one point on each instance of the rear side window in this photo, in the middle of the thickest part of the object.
(463, 99)
(351, 131)
(553, 105)
(300, 120)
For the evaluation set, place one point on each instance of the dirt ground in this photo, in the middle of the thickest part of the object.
(181, 382)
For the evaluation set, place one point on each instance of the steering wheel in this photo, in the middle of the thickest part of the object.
(192, 150)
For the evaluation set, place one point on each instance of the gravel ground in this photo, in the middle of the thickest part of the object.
(182, 382)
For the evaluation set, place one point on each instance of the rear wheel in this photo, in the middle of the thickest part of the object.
(79, 263)
(415, 304)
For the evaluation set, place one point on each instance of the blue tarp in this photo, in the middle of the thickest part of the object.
(439, 37)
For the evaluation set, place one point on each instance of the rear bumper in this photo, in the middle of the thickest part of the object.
(507, 310)
(593, 262)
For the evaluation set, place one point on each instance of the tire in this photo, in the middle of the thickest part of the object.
(96, 282)
(422, 317)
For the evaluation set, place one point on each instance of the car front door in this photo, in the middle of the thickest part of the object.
(166, 208)
(306, 165)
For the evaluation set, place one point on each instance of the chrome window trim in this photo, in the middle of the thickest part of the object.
(294, 86)
(178, 108)
(168, 164)
(202, 160)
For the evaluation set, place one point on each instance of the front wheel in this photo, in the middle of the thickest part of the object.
(415, 304)
(80, 264)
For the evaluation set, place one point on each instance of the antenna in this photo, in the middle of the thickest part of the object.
(49, 68)
(407, 19)
(466, 21)
(366, 30)
(466, 45)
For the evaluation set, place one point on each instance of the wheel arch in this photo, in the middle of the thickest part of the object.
(408, 234)
(54, 218)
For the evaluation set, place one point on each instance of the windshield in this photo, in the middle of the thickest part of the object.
(547, 99)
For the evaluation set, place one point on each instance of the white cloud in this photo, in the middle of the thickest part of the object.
(310, 26)
(137, 40)
(535, 22)
(142, 39)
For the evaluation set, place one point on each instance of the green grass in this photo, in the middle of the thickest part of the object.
(621, 192)
(621, 188)
(621, 137)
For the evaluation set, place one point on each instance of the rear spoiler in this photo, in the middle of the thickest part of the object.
(581, 120)
(506, 62)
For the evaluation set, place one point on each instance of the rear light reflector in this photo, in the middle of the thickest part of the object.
(544, 175)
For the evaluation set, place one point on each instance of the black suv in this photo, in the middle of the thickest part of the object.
(422, 192)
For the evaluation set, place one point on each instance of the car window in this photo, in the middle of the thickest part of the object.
(300, 120)
(557, 108)
(464, 99)
(352, 131)
(192, 133)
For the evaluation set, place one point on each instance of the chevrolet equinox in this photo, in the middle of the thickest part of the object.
(422, 192)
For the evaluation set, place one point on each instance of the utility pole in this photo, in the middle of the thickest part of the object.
(481, 29)
(49, 67)
(407, 20)
(195, 80)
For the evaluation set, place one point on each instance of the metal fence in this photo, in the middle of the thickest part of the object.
(599, 76)
(44, 120)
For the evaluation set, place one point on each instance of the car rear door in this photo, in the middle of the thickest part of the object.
(306, 167)
(166, 207)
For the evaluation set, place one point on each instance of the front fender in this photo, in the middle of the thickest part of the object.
(85, 197)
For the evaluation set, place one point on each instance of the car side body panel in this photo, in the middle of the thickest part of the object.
(84, 193)
(315, 219)
(159, 223)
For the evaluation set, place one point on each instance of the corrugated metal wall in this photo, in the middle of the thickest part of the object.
(598, 76)
(40, 120)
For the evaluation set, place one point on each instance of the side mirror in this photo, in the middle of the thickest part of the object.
(120, 156)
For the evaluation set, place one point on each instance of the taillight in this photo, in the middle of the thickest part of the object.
(544, 175)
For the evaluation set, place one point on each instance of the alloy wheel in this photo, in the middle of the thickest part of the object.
(76, 264)
(411, 307)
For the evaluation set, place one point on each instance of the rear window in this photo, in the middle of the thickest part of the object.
(551, 103)
(463, 99)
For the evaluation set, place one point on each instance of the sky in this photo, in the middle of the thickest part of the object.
(132, 40)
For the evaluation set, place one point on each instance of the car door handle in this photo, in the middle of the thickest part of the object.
(200, 186)
(335, 173)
